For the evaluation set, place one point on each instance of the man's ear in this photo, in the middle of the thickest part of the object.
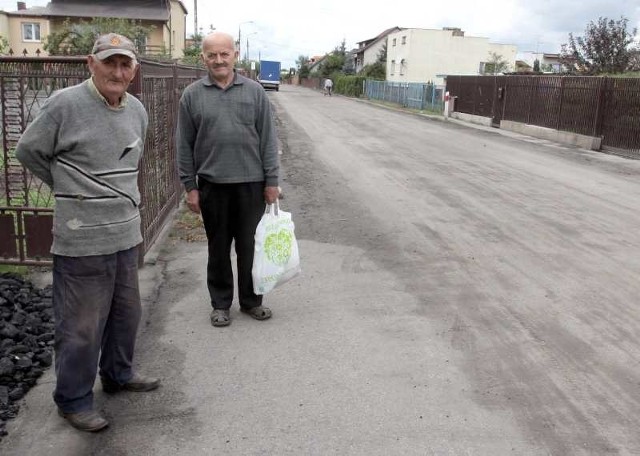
(91, 61)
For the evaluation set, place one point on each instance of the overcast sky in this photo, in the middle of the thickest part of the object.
(285, 29)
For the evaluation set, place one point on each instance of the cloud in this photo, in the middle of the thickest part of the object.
(286, 29)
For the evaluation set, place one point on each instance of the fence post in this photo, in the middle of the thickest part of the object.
(494, 98)
(504, 96)
(597, 121)
(475, 94)
(433, 95)
(536, 82)
(136, 85)
(560, 107)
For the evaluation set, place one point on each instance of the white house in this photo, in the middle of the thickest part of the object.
(368, 50)
(549, 63)
(423, 55)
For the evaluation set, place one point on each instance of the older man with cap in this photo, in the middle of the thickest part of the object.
(86, 143)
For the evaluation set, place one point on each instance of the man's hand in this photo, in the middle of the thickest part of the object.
(271, 194)
(193, 201)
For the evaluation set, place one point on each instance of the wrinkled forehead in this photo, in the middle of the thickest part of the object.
(218, 45)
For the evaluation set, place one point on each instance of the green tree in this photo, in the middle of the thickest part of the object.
(382, 54)
(536, 65)
(332, 63)
(375, 70)
(302, 64)
(4, 44)
(606, 47)
(349, 66)
(634, 60)
(78, 38)
(496, 64)
(192, 53)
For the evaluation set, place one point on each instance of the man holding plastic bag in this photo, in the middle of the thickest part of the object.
(228, 163)
(276, 259)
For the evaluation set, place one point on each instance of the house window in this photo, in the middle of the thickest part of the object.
(141, 43)
(403, 66)
(30, 31)
(404, 39)
(393, 42)
(393, 67)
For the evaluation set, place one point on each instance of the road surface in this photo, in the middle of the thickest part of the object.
(465, 291)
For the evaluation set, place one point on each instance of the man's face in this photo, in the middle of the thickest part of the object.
(219, 56)
(113, 75)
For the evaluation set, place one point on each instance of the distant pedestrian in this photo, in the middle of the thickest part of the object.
(228, 163)
(328, 86)
(86, 144)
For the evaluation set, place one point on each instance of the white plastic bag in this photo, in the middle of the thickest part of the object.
(276, 259)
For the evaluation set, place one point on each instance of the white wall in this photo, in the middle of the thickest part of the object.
(431, 54)
(371, 54)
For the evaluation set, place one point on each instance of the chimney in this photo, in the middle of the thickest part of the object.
(22, 6)
(455, 31)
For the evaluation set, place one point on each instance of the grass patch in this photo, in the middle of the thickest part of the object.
(188, 227)
(22, 271)
(41, 198)
(401, 108)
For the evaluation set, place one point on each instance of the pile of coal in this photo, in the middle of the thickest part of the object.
(26, 341)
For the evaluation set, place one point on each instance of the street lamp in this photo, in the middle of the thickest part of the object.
(240, 37)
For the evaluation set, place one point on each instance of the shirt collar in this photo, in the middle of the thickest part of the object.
(209, 82)
(96, 92)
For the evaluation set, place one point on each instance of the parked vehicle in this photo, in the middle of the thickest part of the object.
(269, 76)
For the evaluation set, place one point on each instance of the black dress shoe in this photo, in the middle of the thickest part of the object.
(138, 384)
(89, 421)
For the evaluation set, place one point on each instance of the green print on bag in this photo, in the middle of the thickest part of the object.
(277, 247)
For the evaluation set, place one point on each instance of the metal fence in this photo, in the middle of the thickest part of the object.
(603, 107)
(26, 205)
(409, 95)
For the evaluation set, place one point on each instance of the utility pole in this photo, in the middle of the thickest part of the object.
(240, 38)
(195, 17)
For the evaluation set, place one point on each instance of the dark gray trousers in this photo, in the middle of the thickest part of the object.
(231, 212)
(96, 302)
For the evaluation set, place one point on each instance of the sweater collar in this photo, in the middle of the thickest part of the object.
(96, 92)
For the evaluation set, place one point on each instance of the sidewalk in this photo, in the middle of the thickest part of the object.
(349, 365)
(38, 430)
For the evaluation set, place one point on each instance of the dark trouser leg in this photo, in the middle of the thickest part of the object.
(249, 201)
(119, 338)
(82, 292)
(215, 206)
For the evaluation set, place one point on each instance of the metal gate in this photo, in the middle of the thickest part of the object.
(26, 204)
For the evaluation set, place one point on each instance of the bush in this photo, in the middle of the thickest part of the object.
(348, 85)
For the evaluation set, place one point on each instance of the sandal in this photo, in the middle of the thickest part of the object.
(220, 317)
(258, 312)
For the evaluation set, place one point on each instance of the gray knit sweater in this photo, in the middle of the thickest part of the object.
(88, 154)
(226, 136)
